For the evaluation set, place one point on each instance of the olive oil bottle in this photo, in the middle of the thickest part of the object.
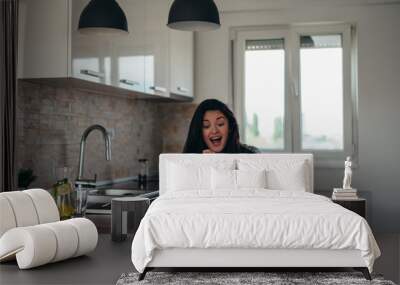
(64, 195)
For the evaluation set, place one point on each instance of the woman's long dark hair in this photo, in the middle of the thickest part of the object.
(195, 143)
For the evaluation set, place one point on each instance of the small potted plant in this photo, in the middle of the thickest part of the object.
(25, 178)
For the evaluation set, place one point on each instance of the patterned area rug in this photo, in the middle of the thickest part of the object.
(244, 278)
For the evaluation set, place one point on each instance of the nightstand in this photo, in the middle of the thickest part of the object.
(358, 206)
(121, 208)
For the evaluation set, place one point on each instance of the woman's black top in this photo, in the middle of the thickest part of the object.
(244, 148)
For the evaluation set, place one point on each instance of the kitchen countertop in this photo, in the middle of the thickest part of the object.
(152, 185)
(99, 199)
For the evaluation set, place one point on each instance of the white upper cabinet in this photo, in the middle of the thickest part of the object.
(129, 50)
(150, 59)
(91, 54)
(157, 47)
(43, 38)
(181, 63)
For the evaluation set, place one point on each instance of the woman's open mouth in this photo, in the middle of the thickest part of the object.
(216, 140)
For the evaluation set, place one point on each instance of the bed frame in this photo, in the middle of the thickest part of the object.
(259, 259)
(244, 259)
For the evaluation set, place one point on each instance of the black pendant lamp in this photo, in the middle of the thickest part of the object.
(103, 15)
(193, 15)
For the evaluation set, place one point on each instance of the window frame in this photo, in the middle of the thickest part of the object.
(292, 110)
(239, 82)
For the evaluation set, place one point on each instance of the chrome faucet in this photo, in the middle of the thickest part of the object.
(107, 141)
(84, 185)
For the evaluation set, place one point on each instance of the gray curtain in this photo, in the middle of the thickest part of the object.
(8, 89)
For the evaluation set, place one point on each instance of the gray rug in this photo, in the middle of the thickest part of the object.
(244, 278)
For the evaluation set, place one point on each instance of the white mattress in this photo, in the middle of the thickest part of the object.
(252, 219)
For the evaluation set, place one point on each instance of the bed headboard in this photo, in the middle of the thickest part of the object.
(198, 159)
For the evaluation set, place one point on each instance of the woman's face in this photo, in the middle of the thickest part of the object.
(215, 130)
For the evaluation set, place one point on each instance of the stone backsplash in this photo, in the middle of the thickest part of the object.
(51, 121)
(175, 121)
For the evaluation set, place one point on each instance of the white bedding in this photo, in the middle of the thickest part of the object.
(252, 218)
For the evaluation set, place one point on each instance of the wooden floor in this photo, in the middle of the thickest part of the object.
(111, 259)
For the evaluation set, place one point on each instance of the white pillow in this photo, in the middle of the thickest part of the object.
(289, 175)
(223, 179)
(251, 178)
(181, 177)
(236, 179)
(186, 174)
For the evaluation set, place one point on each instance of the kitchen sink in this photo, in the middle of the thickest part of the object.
(99, 199)
(117, 192)
(104, 196)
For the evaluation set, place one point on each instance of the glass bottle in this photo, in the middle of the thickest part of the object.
(64, 194)
(143, 173)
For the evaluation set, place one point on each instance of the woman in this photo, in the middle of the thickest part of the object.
(214, 129)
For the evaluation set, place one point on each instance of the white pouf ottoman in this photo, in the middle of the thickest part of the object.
(31, 232)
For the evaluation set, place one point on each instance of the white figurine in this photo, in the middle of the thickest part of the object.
(347, 173)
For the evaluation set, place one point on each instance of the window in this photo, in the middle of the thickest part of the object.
(321, 81)
(293, 90)
(265, 90)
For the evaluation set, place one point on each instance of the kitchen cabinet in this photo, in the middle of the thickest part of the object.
(157, 47)
(169, 53)
(129, 50)
(151, 61)
(91, 54)
(43, 38)
(108, 58)
(51, 47)
(181, 63)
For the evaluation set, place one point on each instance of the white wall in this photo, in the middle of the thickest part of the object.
(378, 29)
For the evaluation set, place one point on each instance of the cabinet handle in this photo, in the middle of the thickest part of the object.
(158, 89)
(295, 88)
(182, 89)
(92, 73)
(129, 82)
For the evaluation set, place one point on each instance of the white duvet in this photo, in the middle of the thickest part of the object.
(251, 218)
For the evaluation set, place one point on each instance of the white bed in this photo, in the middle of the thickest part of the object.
(203, 219)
